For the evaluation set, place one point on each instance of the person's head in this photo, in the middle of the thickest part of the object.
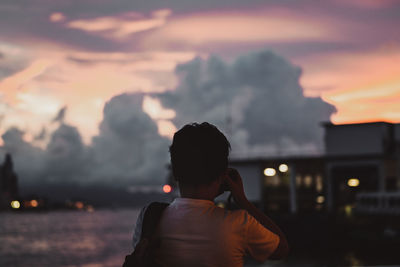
(199, 154)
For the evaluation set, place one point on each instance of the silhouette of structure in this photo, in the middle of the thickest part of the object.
(8, 183)
(360, 171)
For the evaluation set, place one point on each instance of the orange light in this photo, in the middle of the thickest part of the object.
(79, 205)
(34, 203)
(167, 188)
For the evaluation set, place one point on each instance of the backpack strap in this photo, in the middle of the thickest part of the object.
(141, 255)
(151, 219)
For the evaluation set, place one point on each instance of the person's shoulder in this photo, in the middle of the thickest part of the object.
(238, 217)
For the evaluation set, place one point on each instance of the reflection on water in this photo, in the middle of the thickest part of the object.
(99, 239)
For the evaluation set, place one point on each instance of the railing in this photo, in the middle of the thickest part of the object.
(379, 203)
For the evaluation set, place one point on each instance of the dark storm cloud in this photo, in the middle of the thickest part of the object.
(257, 100)
(41, 135)
(66, 156)
(29, 160)
(127, 151)
(129, 148)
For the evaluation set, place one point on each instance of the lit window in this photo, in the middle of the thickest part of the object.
(308, 181)
(319, 184)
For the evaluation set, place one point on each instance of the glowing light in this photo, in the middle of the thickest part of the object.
(348, 210)
(353, 182)
(90, 208)
(79, 205)
(269, 172)
(34, 203)
(221, 205)
(320, 199)
(15, 204)
(283, 168)
(308, 181)
(167, 189)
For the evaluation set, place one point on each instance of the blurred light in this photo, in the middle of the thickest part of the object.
(34, 203)
(79, 205)
(348, 210)
(353, 182)
(89, 208)
(308, 181)
(269, 172)
(167, 188)
(318, 183)
(15, 204)
(283, 168)
(320, 199)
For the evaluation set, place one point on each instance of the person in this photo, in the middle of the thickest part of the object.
(193, 231)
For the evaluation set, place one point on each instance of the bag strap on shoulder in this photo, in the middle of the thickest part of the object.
(151, 218)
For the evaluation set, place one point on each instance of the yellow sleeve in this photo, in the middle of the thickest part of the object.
(261, 242)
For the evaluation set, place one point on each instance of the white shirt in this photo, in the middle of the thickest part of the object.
(195, 232)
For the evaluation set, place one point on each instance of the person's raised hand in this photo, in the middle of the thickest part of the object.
(234, 182)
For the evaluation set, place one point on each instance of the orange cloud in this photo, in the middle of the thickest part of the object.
(121, 26)
(367, 4)
(11, 86)
(83, 82)
(254, 26)
(362, 86)
(57, 17)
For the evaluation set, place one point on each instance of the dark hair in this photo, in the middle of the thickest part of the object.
(199, 153)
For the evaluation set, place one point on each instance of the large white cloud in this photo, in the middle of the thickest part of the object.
(257, 100)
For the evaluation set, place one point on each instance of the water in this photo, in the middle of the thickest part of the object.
(98, 239)
(103, 238)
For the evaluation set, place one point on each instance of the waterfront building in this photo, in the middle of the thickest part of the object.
(359, 161)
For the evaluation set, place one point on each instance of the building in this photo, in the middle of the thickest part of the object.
(8, 183)
(359, 161)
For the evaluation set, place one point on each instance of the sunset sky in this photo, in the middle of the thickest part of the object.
(78, 54)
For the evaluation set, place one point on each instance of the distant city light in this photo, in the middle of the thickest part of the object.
(320, 199)
(269, 172)
(283, 168)
(90, 208)
(34, 203)
(79, 205)
(15, 204)
(167, 188)
(353, 182)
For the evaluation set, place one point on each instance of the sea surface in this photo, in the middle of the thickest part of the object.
(93, 239)
(68, 238)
